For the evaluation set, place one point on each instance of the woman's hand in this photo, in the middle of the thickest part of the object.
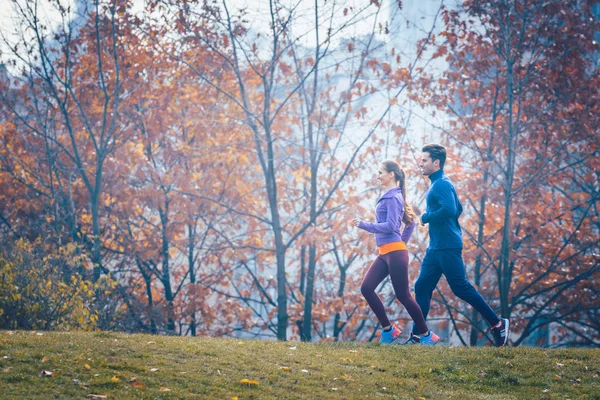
(355, 222)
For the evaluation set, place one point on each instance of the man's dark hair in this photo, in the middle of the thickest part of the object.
(436, 152)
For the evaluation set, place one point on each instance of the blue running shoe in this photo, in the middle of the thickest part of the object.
(430, 340)
(501, 333)
(390, 336)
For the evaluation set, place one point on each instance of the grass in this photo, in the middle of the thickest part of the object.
(122, 366)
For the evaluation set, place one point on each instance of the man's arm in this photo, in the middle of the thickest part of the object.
(444, 195)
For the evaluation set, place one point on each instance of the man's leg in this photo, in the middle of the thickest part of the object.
(454, 269)
(424, 286)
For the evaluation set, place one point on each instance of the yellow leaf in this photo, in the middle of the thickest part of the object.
(164, 389)
(87, 366)
(46, 358)
(244, 381)
(115, 379)
(286, 368)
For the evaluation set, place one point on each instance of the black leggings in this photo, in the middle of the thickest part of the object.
(396, 265)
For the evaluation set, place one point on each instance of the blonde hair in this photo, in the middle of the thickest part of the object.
(393, 166)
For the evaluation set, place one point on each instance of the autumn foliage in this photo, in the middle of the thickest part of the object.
(196, 175)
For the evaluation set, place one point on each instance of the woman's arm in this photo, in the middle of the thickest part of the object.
(392, 222)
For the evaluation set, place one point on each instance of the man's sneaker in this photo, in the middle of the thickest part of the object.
(390, 336)
(501, 333)
(430, 340)
(413, 339)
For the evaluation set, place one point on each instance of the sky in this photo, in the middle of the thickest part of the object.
(419, 13)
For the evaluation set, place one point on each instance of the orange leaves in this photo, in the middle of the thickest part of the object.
(285, 68)
(387, 69)
(136, 383)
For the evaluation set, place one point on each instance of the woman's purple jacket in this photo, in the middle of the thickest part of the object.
(389, 212)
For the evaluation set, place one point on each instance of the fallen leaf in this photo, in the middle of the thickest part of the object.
(97, 396)
(293, 348)
(244, 381)
(164, 389)
(234, 398)
(47, 373)
(154, 370)
(304, 370)
(151, 342)
(87, 366)
(133, 379)
(286, 368)
(138, 384)
(559, 365)
(46, 358)
(39, 334)
(557, 377)
(115, 379)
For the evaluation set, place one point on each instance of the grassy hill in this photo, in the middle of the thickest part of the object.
(47, 365)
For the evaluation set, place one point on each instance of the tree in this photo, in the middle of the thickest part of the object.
(523, 120)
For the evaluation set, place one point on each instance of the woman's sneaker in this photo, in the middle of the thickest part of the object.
(390, 336)
(430, 340)
(501, 333)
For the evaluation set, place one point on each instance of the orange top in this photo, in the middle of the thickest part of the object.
(393, 246)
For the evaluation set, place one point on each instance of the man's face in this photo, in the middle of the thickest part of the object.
(428, 166)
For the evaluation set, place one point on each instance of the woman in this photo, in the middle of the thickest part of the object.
(391, 211)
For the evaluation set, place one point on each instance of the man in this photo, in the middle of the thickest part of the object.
(444, 254)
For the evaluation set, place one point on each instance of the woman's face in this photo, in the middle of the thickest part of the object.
(384, 178)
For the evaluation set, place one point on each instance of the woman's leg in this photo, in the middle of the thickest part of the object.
(374, 276)
(397, 262)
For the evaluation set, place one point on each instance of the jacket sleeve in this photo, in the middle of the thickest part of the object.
(407, 231)
(444, 195)
(392, 222)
